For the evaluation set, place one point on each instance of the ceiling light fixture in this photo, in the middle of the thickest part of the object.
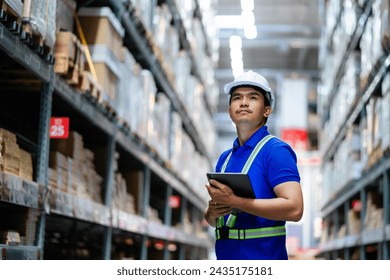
(248, 19)
(247, 5)
(237, 64)
(229, 21)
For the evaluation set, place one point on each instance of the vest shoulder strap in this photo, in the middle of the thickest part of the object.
(254, 153)
(252, 156)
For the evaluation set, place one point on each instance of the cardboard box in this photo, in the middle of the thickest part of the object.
(107, 67)
(135, 188)
(25, 165)
(101, 27)
(65, 52)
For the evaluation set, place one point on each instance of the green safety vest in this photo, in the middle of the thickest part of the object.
(227, 231)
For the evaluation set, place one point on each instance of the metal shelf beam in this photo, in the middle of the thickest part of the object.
(356, 186)
(19, 252)
(22, 54)
(80, 103)
(369, 236)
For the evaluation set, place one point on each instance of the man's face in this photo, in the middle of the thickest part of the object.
(247, 106)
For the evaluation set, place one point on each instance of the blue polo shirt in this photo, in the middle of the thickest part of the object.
(276, 163)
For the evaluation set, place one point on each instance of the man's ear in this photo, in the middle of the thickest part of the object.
(268, 111)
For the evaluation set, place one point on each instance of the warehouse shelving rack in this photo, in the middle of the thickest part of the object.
(369, 243)
(57, 232)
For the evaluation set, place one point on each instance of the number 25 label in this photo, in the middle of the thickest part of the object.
(59, 127)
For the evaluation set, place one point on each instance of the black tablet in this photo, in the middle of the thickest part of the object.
(238, 182)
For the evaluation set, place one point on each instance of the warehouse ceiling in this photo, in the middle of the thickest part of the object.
(287, 41)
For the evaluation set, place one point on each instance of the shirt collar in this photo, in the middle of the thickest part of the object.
(254, 139)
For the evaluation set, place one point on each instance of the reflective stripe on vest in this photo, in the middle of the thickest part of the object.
(246, 233)
(242, 234)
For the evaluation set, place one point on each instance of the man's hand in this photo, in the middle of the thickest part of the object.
(216, 208)
(220, 193)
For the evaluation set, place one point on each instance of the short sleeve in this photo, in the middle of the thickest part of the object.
(281, 164)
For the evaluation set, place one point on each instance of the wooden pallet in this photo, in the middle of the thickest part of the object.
(87, 84)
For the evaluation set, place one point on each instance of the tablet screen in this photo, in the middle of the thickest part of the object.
(238, 182)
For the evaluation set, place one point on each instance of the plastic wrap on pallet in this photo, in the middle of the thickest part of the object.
(186, 158)
(186, 10)
(126, 80)
(182, 69)
(161, 23)
(144, 12)
(50, 31)
(15, 189)
(132, 115)
(150, 91)
(42, 16)
(61, 202)
(366, 46)
(64, 15)
(176, 140)
(379, 28)
(16, 6)
(372, 124)
(146, 100)
(161, 125)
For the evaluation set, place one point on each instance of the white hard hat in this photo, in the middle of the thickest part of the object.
(251, 78)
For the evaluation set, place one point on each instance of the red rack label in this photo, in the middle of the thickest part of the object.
(59, 127)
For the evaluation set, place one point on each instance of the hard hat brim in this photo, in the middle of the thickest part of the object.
(229, 86)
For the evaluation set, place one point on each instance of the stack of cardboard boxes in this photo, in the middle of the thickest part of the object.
(12, 158)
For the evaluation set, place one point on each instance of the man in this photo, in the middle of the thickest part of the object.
(257, 229)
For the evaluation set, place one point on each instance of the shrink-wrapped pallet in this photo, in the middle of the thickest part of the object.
(64, 15)
(127, 83)
(161, 115)
(41, 15)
